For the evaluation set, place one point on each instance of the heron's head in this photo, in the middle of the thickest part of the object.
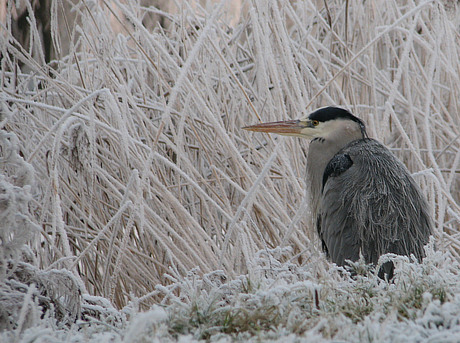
(324, 122)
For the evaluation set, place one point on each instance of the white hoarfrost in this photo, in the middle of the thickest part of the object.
(133, 208)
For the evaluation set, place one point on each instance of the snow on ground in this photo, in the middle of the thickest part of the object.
(281, 302)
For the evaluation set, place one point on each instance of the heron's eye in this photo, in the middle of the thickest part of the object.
(315, 122)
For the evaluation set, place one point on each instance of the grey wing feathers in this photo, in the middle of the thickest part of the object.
(371, 205)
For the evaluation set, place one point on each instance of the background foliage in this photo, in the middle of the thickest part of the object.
(134, 169)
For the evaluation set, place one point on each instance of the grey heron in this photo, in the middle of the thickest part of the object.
(362, 198)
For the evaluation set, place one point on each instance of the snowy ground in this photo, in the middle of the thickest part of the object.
(279, 302)
(133, 208)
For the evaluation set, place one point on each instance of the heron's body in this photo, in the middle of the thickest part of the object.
(363, 199)
(388, 219)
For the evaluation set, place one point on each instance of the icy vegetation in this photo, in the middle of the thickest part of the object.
(133, 208)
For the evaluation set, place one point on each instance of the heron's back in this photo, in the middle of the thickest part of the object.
(371, 204)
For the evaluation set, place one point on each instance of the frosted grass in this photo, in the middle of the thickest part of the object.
(133, 205)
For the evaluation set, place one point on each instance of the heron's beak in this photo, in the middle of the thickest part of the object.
(288, 128)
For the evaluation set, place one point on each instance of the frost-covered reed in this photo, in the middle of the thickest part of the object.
(142, 170)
